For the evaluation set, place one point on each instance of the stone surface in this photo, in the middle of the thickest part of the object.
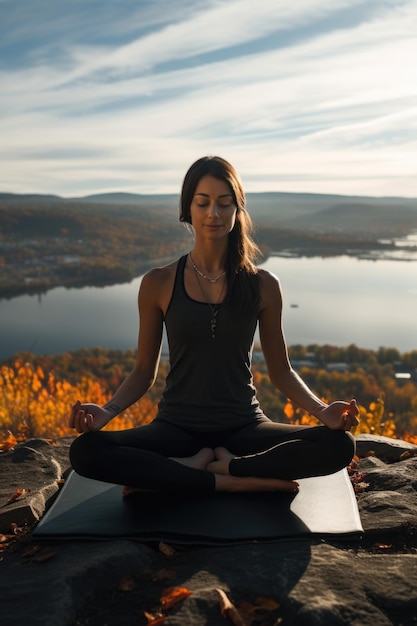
(35, 467)
(372, 581)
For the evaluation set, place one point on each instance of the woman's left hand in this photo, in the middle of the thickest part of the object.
(340, 415)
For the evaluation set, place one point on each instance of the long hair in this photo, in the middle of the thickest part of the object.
(242, 251)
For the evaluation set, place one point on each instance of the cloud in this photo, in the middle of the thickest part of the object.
(311, 96)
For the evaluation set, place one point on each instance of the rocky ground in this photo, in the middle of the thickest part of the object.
(370, 581)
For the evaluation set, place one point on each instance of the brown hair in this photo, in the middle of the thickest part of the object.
(242, 251)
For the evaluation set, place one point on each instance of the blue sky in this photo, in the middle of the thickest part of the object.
(123, 95)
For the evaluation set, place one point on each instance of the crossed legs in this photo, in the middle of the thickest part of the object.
(259, 457)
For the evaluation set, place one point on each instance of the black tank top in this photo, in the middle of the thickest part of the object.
(209, 385)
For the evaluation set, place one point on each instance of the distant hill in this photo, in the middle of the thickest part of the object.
(130, 198)
(355, 219)
(329, 213)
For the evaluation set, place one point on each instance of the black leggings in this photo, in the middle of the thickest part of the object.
(138, 457)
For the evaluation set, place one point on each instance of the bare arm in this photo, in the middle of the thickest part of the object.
(338, 415)
(85, 417)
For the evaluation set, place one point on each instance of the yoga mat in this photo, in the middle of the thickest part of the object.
(89, 509)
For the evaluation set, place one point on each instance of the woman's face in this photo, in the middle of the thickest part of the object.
(213, 211)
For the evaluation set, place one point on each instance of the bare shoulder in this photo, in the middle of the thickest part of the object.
(270, 288)
(159, 276)
(157, 285)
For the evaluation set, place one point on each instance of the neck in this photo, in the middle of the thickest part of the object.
(209, 260)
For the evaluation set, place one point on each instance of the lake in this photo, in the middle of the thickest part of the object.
(337, 301)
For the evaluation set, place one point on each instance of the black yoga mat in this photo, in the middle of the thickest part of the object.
(91, 509)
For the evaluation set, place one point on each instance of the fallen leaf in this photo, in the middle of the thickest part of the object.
(405, 455)
(229, 610)
(267, 603)
(172, 595)
(17, 494)
(360, 487)
(382, 546)
(246, 607)
(126, 584)
(153, 620)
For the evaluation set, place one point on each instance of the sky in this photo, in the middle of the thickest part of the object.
(311, 96)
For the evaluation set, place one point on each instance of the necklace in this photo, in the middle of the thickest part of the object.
(211, 280)
(213, 307)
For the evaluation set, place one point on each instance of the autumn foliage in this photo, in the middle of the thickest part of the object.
(36, 393)
(36, 404)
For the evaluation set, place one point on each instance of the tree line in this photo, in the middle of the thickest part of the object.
(36, 392)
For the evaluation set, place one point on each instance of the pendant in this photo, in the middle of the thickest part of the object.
(213, 324)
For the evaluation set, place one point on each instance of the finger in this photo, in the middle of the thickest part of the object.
(81, 422)
(90, 422)
(350, 421)
(355, 420)
(75, 407)
(354, 407)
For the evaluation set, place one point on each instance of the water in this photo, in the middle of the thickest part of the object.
(337, 301)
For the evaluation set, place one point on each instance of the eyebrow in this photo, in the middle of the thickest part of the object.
(206, 195)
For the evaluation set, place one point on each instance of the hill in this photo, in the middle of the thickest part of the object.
(302, 211)
(101, 239)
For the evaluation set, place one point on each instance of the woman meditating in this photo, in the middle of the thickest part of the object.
(210, 432)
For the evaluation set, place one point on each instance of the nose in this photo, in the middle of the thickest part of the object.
(213, 210)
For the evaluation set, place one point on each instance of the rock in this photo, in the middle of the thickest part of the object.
(385, 448)
(372, 581)
(35, 468)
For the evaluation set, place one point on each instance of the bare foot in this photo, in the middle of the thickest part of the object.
(249, 483)
(221, 463)
(198, 461)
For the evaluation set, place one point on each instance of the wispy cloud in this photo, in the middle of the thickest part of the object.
(312, 97)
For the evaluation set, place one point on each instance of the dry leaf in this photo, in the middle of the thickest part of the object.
(17, 494)
(126, 584)
(8, 443)
(360, 487)
(382, 546)
(405, 455)
(267, 603)
(246, 607)
(153, 620)
(229, 610)
(172, 595)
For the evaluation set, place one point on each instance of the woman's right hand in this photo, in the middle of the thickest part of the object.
(88, 417)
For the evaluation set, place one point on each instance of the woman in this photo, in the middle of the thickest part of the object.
(210, 432)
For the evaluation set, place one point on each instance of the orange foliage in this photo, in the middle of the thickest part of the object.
(35, 404)
(36, 394)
